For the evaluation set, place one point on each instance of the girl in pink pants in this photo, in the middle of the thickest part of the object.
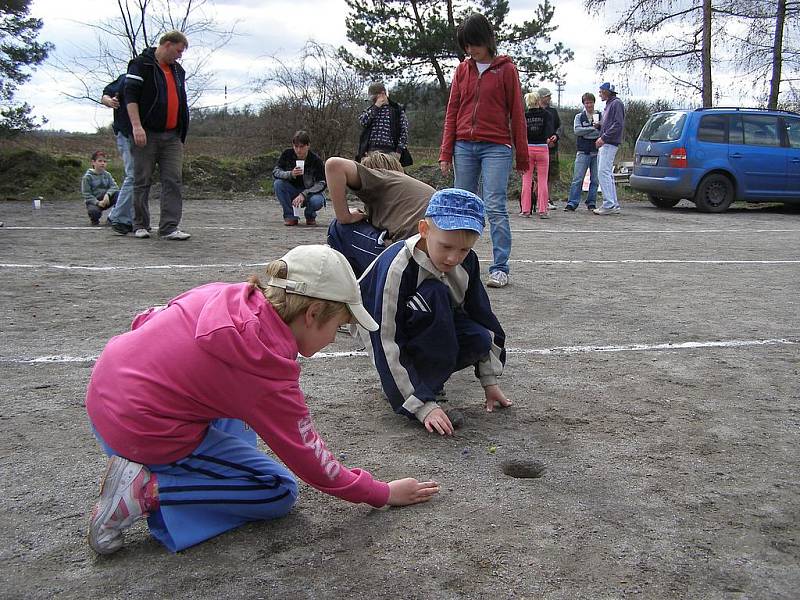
(540, 131)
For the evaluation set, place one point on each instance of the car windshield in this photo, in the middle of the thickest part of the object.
(663, 127)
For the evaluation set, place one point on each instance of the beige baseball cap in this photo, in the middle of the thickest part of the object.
(319, 271)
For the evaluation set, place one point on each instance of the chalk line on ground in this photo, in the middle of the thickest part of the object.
(559, 350)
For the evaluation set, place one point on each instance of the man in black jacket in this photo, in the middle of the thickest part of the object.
(155, 93)
(300, 181)
(385, 127)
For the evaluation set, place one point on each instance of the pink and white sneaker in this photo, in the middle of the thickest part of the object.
(128, 492)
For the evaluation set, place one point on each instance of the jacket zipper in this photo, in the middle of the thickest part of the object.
(477, 98)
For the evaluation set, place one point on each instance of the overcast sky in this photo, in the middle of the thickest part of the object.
(269, 28)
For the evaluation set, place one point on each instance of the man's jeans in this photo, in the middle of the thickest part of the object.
(123, 209)
(286, 192)
(583, 161)
(166, 149)
(490, 165)
(605, 165)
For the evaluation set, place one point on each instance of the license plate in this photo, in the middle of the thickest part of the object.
(650, 160)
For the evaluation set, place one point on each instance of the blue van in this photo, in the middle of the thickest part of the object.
(713, 156)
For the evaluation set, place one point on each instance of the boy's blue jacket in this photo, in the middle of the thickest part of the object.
(146, 85)
(388, 289)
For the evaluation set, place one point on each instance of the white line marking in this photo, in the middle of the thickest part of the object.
(631, 261)
(523, 351)
(661, 231)
(87, 228)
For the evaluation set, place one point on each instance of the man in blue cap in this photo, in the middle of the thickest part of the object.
(434, 313)
(611, 127)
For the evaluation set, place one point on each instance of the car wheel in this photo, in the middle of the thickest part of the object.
(662, 202)
(714, 194)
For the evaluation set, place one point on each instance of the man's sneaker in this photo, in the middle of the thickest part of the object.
(177, 235)
(607, 211)
(569, 208)
(121, 228)
(141, 233)
(497, 279)
(551, 204)
(127, 493)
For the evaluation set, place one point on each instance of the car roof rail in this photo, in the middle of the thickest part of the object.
(759, 108)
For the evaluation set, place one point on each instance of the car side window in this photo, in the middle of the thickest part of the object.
(713, 128)
(761, 130)
(793, 131)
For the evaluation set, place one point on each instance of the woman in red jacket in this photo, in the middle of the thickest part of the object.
(484, 119)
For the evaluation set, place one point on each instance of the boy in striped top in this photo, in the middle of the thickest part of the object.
(434, 313)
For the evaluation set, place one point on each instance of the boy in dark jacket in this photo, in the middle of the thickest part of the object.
(434, 313)
(300, 181)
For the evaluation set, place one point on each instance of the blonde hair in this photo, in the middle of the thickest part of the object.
(290, 306)
(531, 100)
(467, 237)
(379, 160)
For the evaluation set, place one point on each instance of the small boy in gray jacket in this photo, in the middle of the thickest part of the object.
(98, 187)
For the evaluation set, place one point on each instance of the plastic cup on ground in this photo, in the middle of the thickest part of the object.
(37, 203)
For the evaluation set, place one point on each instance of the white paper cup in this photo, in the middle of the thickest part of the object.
(298, 211)
(301, 164)
(37, 203)
(595, 118)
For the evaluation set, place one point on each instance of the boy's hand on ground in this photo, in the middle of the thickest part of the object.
(437, 419)
(403, 492)
(495, 395)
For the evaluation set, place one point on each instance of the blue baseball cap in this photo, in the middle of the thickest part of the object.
(608, 87)
(452, 208)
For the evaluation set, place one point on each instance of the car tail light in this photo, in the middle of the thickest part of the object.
(677, 158)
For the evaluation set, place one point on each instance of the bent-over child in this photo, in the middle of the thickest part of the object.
(98, 188)
(177, 403)
(434, 313)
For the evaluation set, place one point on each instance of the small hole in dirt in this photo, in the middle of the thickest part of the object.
(523, 469)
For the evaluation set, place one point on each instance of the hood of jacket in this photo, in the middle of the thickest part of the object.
(240, 327)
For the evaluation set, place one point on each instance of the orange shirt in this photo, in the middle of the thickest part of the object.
(172, 98)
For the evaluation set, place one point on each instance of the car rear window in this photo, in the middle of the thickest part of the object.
(663, 127)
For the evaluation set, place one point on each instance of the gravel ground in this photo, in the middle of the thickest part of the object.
(652, 450)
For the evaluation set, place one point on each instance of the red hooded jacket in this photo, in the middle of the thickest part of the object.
(486, 108)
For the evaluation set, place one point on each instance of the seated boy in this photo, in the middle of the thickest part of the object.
(393, 205)
(98, 187)
(299, 181)
(434, 313)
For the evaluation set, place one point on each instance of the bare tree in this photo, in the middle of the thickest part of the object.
(316, 92)
(673, 36)
(766, 58)
(139, 25)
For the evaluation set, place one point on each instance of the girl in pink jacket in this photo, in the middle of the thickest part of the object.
(178, 401)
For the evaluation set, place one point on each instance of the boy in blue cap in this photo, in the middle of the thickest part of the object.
(434, 313)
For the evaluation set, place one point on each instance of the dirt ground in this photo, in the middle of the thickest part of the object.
(653, 364)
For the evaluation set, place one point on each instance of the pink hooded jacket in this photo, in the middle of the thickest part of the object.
(217, 351)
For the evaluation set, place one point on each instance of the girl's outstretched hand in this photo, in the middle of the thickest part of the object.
(403, 492)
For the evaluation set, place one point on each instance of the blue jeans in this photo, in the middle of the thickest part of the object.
(490, 165)
(286, 192)
(123, 209)
(583, 161)
(605, 165)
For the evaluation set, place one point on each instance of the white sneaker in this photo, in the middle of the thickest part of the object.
(607, 211)
(120, 505)
(177, 235)
(497, 279)
(141, 233)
